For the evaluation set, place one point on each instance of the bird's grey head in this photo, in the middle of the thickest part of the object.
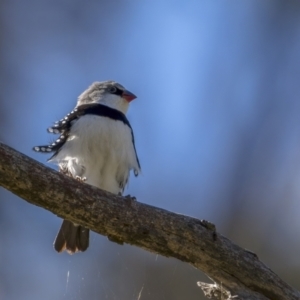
(109, 93)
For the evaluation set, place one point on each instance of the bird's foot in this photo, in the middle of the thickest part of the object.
(65, 171)
(131, 198)
(80, 179)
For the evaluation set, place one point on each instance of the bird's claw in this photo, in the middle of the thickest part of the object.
(80, 179)
(131, 198)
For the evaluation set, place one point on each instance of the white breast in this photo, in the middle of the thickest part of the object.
(100, 149)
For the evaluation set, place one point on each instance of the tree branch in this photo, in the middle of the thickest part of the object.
(236, 273)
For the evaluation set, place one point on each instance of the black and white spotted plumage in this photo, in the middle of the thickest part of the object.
(95, 142)
(63, 126)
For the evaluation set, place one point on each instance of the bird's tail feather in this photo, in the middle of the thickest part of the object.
(72, 238)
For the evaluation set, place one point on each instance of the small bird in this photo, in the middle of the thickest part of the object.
(95, 145)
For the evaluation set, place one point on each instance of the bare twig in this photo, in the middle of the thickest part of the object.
(236, 273)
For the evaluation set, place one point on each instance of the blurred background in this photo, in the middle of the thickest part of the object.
(216, 122)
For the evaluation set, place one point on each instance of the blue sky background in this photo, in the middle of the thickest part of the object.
(216, 123)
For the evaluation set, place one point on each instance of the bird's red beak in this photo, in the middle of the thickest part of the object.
(128, 96)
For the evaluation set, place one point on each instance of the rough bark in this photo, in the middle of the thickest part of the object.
(236, 273)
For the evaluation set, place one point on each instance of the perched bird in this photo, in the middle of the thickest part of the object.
(96, 145)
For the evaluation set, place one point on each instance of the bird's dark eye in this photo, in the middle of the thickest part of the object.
(113, 90)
